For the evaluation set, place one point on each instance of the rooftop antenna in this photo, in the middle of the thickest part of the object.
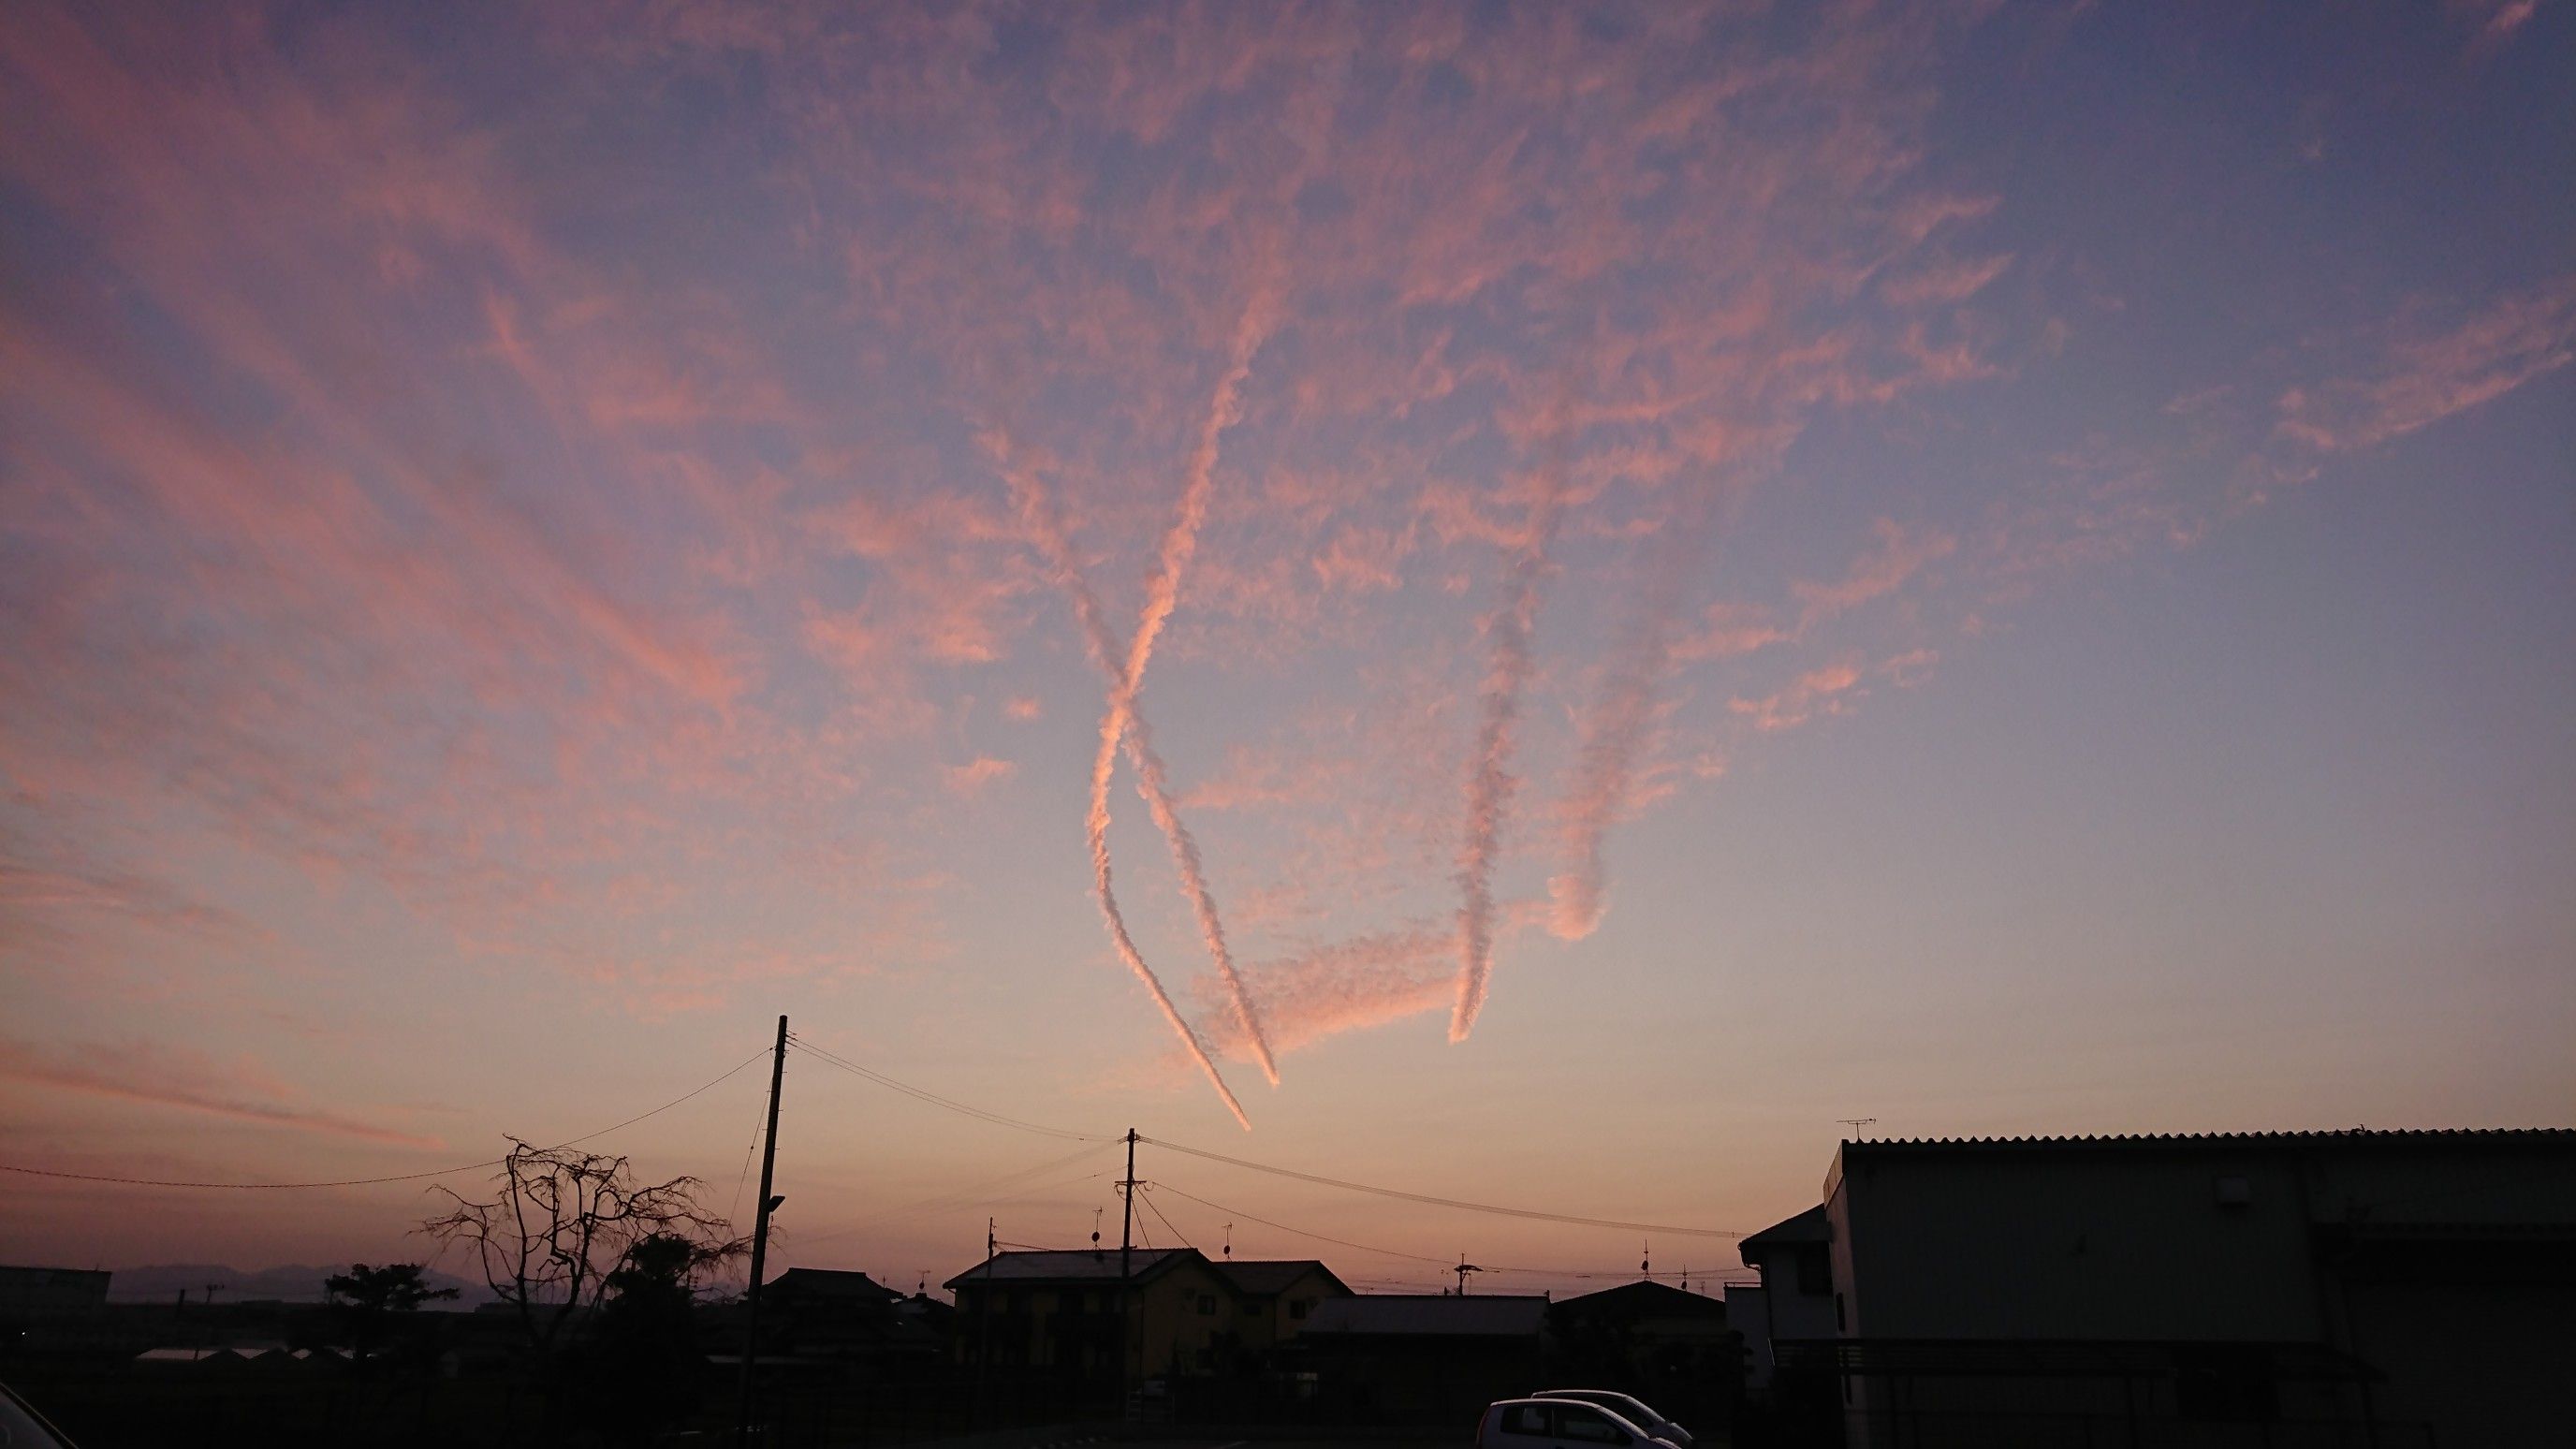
(1095, 1232)
(1229, 1242)
(1857, 1123)
(1646, 1260)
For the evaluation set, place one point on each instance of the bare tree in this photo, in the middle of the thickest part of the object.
(566, 1225)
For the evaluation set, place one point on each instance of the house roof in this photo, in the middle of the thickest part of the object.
(830, 1283)
(2346, 1137)
(1078, 1265)
(1445, 1315)
(1810, 1226)
(1265, 1276)
(1644, 1298)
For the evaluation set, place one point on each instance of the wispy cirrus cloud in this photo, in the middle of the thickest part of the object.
(163, 1076)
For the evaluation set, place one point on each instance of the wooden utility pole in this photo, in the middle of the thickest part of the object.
(760, 1237)
(1126, 1263)
(984, 1321)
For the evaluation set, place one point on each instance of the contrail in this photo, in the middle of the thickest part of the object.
(1612, 735)
(1045, 526)
(1162, 594)
(1490, 784)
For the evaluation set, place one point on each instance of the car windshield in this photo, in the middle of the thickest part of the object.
(1617, 1403)
(19, 1429)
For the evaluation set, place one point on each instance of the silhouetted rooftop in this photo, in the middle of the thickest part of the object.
(1077, 1265)
(1488, 1315)
(1271, 1275)
(2393, 1137)
(1810, 1226)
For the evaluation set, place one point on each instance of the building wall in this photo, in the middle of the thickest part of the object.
(2132, 1245)
(1170, 1333)
(41, 1292)
(2446, 1262)
(1274, 1319)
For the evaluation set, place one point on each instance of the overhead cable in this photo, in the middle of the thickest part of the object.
(1659, 1229)
(397, 1177)
(934, 1099)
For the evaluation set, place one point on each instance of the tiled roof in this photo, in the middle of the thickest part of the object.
(1810, 1226)
(1270, 1275)
(1080, 1265)
(830, 1283)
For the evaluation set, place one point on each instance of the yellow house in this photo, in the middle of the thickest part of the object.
(1274, 1297)
(1058, 1313)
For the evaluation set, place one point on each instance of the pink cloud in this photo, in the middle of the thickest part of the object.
(1824, 691)
(162, 1076)
(972, 777)
(2419, 381)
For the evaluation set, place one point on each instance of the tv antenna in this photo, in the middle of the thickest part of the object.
(1857, 1123)
(1229, 1242)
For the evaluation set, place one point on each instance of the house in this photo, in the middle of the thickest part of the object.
(2387, 1286)
(1796, 1295)
(39, 1293)
(1394, 1358)
(1672, 1348)
(1275, 1298)
(1059, 1313)
(839, 1316)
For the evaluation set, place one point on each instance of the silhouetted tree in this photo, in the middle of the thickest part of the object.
(642, 1362)
(364, 1301)
(567, 1224)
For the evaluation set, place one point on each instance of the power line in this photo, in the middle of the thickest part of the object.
(398, 1177)
(956, 1196)
(998, 1119)
(1166, 1222)
(1447, 1202)
(1585, 1274)
(922, 1094)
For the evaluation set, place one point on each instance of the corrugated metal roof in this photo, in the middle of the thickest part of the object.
(1488, 1315)
(2408, 1136)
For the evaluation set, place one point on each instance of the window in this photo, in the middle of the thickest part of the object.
(1298, 1308)
(1251, 1309)
(1815, 1269)
(1530, 1419)
(1587, 1425)
(1207, 1305)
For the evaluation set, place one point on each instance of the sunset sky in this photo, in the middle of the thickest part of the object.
(1645, 578)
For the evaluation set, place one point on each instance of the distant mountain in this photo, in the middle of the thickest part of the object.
(292, 1282)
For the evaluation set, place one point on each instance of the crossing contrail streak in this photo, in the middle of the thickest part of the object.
(1045, 527)
(1490, 783)
(1613, 734)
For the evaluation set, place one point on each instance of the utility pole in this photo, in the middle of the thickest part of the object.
(760, 1237)
(1126, 1263)
(984, 1319)
(1462, 1270)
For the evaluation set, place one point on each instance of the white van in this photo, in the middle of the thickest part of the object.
(1558, 1424)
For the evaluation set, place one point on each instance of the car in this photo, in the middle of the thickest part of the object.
(1628, 1407)
(21, 1427)
(1558, 1424)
